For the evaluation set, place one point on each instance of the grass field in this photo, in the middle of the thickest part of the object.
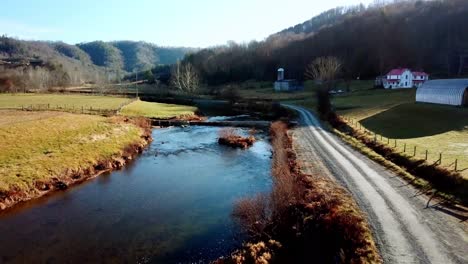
(42, 145)
(61, 100)
(157, 110)
(265, 90)
(393, 114)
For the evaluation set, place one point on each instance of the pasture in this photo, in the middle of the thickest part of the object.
(38, 146)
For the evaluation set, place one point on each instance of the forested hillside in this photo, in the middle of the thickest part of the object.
(325, 19)
(426, 35)
(41, 64)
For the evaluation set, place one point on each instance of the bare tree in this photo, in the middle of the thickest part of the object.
(185, 77)
(324, 70)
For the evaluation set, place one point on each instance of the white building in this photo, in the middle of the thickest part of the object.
(448, 92)
(404, 78)
(283, 85)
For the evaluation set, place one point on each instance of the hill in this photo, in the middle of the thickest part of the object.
(328, 18)
(43, 64)
(143, 56)
(426, 35)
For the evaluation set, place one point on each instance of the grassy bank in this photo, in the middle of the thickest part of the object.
(17, 101)
(157, 110)
(305, 218)
(425, 175)
(394, 115)
(40, 148)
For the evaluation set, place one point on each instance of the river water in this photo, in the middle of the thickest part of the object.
(173, 204)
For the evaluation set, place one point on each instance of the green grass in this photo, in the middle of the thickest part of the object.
(37, 146)
(157, 110)
(262, 90)
(61, 100)
(394, 114)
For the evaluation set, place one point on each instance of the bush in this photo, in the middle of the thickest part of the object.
(310, 217)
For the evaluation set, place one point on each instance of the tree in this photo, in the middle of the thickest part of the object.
(149, 76)
(324, 71)
(185, 77)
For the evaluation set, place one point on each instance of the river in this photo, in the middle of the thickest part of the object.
(172, 204)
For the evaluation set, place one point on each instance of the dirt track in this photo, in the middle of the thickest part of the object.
(405, 229)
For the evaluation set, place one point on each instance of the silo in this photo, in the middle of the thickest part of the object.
(280, 74)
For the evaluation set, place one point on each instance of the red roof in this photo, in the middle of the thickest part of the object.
(398, 71)
(418, 80)
(393, 80)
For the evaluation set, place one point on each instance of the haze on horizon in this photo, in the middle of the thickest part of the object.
(167, 23)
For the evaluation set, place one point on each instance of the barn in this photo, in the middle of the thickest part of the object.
(447, 92)
(283, 85)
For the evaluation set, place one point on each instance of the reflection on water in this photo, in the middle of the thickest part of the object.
(172, 205)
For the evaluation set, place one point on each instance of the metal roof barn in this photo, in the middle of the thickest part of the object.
(448, 92)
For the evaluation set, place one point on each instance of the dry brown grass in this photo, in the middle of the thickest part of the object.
(42, 151)
(449, 183)
(229, 137)
(311, 216)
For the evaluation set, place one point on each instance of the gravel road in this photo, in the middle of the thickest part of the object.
(405, 228)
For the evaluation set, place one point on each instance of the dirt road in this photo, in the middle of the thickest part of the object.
(405, 229)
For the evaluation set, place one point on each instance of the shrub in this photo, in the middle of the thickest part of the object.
(312, 217)
(229, 137)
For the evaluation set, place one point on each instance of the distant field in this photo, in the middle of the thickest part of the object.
(394, 114)
(61, 100)
(265, 90)
(157, 110)
(42, 145)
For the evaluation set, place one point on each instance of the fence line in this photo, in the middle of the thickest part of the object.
(90, 110)
(388, 141)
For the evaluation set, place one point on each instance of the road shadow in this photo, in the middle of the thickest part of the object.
(414, 120)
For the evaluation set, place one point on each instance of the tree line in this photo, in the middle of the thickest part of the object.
(422, 35)
(69, 65)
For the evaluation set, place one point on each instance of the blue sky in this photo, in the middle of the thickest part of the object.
(199, 23)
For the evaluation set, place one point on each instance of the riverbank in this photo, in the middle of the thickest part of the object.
(305, 218)
(46, 151)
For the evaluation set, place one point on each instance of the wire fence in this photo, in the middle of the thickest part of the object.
(71, 108)
(431, 156)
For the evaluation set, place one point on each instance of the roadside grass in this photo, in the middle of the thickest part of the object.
(39, 146)
(157, 110)
(305, 216)
(394, 114)
(430, 179)
(16, 101)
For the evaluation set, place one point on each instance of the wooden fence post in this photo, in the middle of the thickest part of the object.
(388, 141)
(440, 158)
(414, 153)
(404, 148)
(426, 154)
(456, 161)
(395, 143)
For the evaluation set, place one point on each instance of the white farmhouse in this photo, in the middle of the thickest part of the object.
(404, 78)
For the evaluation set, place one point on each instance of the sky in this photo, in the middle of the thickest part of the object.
(188, 23)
